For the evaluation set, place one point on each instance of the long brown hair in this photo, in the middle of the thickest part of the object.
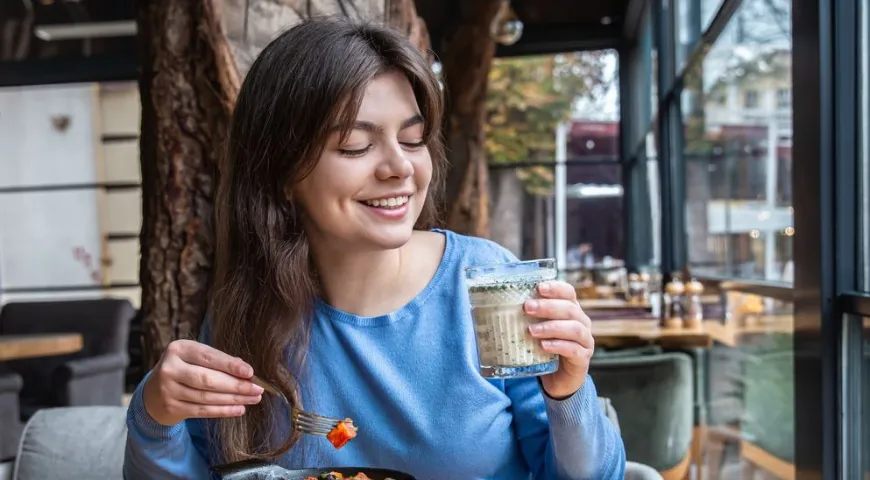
(308, 79)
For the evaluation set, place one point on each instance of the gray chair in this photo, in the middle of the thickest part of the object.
(10, 386)
(88, 442)
(92, 376)
(654, 395)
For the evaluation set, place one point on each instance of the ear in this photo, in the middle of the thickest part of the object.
(288, 193)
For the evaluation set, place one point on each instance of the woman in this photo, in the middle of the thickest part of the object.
(331, 283)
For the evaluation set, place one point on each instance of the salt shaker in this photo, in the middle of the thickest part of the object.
(674, 291)
(694, 314)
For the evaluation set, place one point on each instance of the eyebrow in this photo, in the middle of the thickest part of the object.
(373, 128)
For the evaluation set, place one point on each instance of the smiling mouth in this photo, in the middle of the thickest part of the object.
(387, 203)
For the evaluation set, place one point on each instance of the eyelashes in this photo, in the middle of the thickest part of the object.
(362, 151)
(355, 153)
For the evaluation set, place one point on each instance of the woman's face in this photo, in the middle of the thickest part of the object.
(367, 191)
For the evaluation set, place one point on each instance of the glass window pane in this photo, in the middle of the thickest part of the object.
(529, 96)
(655, 199)
(864, 169)
(738, 136)
(751, 421)
(693, 17)
(595, 214)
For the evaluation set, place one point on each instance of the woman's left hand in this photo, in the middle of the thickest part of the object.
(564, 330)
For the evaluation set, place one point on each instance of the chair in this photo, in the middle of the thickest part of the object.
(93, 376)
(10, 386)
(654, 395)
(88, 442)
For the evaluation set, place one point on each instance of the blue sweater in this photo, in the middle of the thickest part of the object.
(409, 379)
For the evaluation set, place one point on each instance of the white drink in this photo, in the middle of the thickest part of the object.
(497, 294)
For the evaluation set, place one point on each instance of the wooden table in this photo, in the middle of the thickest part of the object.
(14, 347)
(608, 304)
(620, 333)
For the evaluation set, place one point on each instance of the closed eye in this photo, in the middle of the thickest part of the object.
(355, 153)
(414, 144)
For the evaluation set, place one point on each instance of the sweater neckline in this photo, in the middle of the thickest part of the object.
(408, 310)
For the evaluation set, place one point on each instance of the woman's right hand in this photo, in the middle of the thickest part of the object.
(193, 380)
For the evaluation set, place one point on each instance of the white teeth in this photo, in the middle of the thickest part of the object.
(391, 202)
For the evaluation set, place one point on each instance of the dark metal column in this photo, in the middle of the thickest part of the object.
(824, 176)
(669, 145)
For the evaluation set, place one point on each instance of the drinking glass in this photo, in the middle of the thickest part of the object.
(497, 292)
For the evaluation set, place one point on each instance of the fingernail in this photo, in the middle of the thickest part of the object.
(255, 400)
(536, 328)
(258, 390)
(246, 371)
(544, 288)
(546, 343)
(239, 410)
(532, 305)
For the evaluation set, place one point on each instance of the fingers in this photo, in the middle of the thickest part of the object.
(566, 349)
(202, 378)
(196, 353)
(556, 309)
(182, 409)
(187, 394)
(571, 331)
(557, 289)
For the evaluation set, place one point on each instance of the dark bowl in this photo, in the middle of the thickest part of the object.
(373, 473)
(257, 470)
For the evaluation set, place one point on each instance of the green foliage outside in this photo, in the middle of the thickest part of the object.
(527, 98)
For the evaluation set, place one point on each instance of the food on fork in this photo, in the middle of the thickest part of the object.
(342, 433)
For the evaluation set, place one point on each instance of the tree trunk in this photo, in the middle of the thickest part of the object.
(188, 85)
(402, 15)
(467, 61)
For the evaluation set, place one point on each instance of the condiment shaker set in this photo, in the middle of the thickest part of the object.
(638, 289)
(682, 304)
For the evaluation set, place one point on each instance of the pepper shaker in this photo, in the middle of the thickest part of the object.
(694, 315)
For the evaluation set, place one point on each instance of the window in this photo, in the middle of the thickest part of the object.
(864, 152)
(783, 98)
(693, 17)
(750, 99)
(655, 199)
(575, 89)
(738, 158)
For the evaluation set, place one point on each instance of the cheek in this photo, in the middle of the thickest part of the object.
(423, 171)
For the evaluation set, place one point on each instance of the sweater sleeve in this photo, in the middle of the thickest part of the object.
(155, 451)
(567, 439)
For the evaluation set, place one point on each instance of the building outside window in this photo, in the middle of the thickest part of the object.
(738, 154)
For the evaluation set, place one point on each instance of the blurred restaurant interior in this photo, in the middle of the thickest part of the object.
(700, 170)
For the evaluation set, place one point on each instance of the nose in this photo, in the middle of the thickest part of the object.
(395, 163)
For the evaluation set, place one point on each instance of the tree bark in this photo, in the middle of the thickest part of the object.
(187, 85)
(402, 15)
(467, 61)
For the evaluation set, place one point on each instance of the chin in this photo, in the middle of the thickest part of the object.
(390, 240)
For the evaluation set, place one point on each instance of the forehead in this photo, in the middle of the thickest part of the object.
(387, 96)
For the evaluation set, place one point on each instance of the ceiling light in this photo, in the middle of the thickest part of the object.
(75, 31)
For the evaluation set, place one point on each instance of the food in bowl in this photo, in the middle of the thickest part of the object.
(338, 476)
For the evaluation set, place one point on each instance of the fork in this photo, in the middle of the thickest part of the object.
(304, 422)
